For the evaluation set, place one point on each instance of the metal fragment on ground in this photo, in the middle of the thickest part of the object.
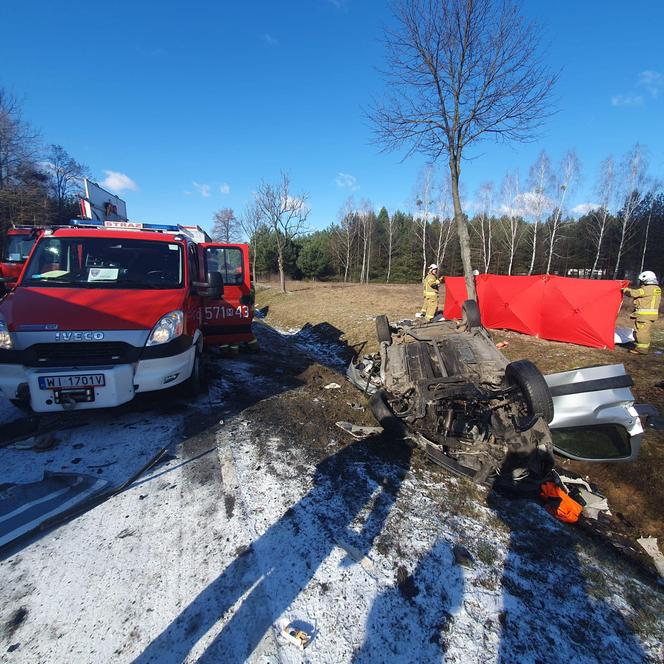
(332, 386)
(649, 545)
(358, 431)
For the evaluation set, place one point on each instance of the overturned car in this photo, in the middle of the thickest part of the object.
(479, 415)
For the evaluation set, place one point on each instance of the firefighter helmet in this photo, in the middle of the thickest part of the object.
(433, 266)
(648, 277)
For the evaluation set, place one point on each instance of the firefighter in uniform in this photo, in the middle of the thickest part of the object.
(431, 283)
(646, 309)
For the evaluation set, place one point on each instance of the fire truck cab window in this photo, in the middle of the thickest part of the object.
(227, 261)
(94, 262)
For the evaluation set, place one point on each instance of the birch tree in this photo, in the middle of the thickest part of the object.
(564, 182)
(460, 71)
(424, 203)
(632, 177)
(511, 227)
(346, 233)
(656, 185)
(605, 189)
(366, 217)
(537, 202)
(485, 232)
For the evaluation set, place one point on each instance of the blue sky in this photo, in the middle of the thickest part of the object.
(194, 103)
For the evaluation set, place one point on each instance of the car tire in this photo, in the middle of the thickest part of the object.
(471, 314)
(532, 385)
(21, 404)
(385, 417)
(383, 330)
(195, 384)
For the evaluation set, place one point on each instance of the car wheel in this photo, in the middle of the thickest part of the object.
(195, 384)
(471, 314)
(385, 417)
(383, 330)
(21, 404)
(532, 385)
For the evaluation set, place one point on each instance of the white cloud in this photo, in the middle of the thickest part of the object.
(585, 208)
(626, 100)
(347, 181)
(652, 81)
(225, 188)
(117, 182)
(202, 189)
(270, 40)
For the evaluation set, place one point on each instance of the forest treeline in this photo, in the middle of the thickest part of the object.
(394, 247)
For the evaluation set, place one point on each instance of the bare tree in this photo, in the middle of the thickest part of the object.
(345, 235)
(536, 201)
(366, 218)
(461, 71)
(65, 176)
(251, 223)
(564, 181)
(605, 188)
(656, 185)
(632, 176)
(424, 202)
(286, 216)
(485, 230)
(512, 228)
(390, 243)
(226, 227)
(18, 141)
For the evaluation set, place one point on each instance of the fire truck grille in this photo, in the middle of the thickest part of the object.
(84, 354)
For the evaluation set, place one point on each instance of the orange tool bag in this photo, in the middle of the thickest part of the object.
(559, 503)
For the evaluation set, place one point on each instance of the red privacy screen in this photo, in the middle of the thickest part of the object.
(579, 311)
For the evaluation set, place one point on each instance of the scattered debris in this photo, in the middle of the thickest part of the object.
(332, 386)
(502, 344)
(649, 545)
(592, 501)
(358, 431)
(294, 634)
(462, 556)
(356, 406)
(125, 532)
(365, 563)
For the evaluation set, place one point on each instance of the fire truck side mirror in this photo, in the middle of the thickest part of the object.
(215, 285)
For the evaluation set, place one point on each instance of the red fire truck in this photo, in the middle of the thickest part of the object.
(102, 313)
(18, 245)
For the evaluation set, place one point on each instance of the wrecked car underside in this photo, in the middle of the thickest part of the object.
(446, 387)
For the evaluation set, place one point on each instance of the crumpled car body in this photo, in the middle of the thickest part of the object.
(479, 415)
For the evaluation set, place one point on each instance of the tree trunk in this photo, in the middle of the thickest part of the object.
(532, 257)
(462, 232)
(620, 249)
(389, 253)
(599, 242)
(282, 274)
(645, 241)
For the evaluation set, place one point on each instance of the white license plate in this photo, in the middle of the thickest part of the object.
(71, 382)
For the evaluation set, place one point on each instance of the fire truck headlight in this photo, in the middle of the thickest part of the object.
(5, 338)
(168, 328)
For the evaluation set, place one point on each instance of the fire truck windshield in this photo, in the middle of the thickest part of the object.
(17, 248)
(94, 262)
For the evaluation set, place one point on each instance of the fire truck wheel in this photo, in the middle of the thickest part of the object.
(21, 404)
(195, 384)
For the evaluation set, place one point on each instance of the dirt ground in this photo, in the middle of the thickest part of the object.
(635, 490)
(267, 512)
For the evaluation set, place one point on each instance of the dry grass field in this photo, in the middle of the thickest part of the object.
(635, 490)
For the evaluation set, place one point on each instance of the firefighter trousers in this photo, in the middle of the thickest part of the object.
(642, 332)
(430, 305)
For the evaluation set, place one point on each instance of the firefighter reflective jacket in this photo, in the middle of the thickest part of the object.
(431, 282)
(646, 301)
